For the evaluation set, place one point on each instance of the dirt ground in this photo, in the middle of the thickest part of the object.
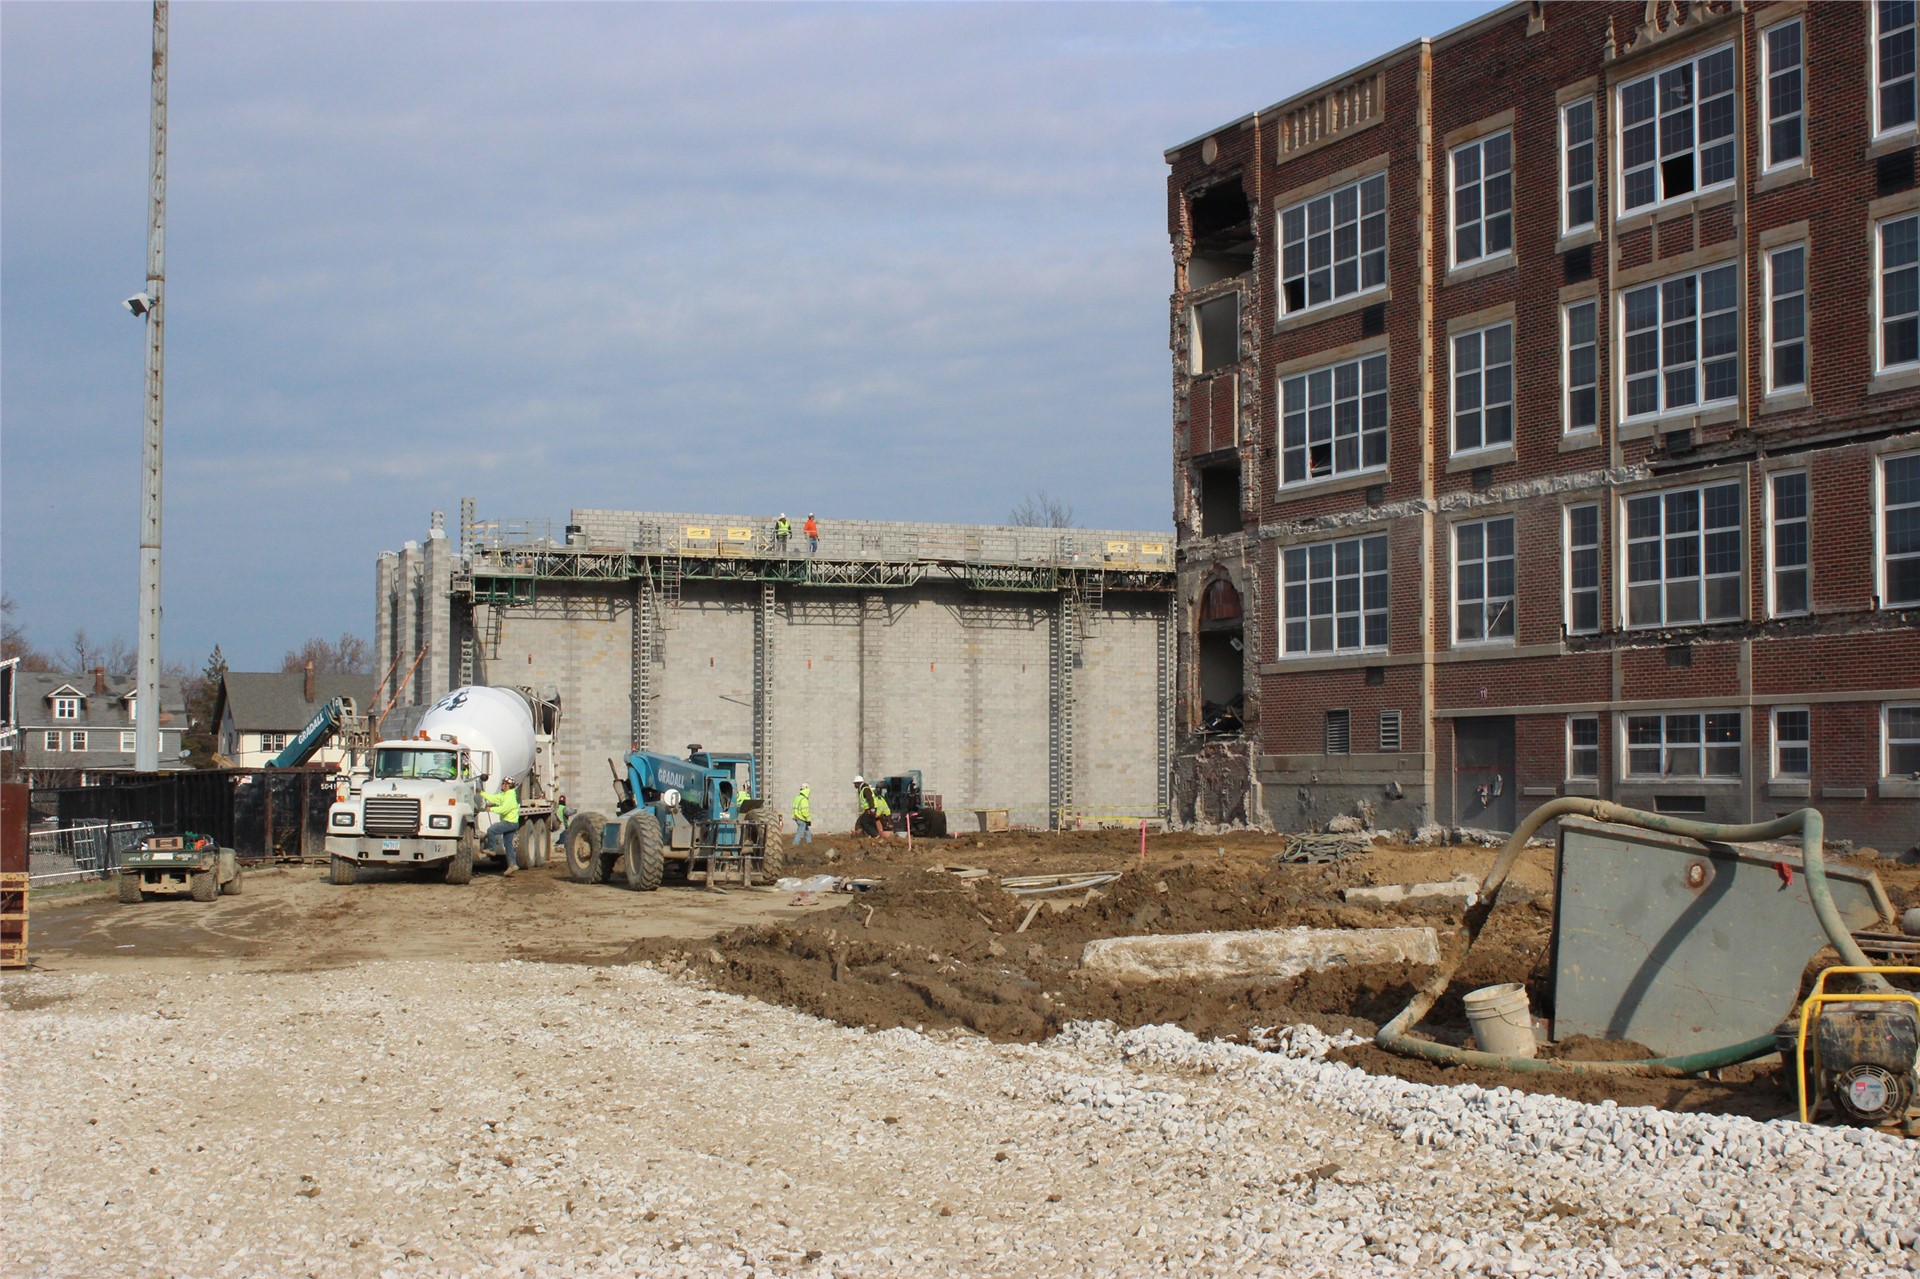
(924, 948)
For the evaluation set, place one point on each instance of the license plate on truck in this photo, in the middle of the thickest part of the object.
(389, 845)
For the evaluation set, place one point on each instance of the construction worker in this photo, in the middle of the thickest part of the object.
(742, 795)
(865, 824)
(782, 530)
(560, 822)
(803, 816)
(882, 813)
(812, 529)
(505, 805)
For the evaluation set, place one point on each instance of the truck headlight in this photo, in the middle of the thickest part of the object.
(439, 821)
(343, 819)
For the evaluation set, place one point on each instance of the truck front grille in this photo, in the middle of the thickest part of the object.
(393, 815)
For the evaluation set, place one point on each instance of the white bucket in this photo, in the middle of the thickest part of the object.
(1500, 1019)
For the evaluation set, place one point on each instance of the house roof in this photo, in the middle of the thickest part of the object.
(276, 702)
(34, 691)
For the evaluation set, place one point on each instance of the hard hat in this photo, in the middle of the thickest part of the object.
(783, 515)
(804, 786)
(859, 781)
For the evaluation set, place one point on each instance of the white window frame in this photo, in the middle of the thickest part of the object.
(1774, 770)
(1596, 548)
(1335, 613)
(1880, 316)
(1487, 602)
(66, 708)
(1887, 739)
(1700, 532)
(1567, 185)
(1882, 508)
(126, 741)
(1774, 342)
(53, 740)
(1668, 746)
(1362, 218)
(77, 739)
(274, 743)
(1484, 221)
(1620, 127)
(1567, 384)
(1362, 367)
(1663, 407)
(1770, 80)
(1479, 377)
(1880, 129)
(1572, 774)
(1774, 524)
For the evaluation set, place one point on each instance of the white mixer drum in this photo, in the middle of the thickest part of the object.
(496, 720)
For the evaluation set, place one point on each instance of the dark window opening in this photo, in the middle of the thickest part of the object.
(1688, 805)
(1216, 334)
(1222, 661)
(1220, 499)
(1222, 223)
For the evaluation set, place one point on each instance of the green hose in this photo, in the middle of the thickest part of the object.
(1394, 1036)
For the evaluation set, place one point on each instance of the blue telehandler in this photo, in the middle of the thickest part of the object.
(686, 813)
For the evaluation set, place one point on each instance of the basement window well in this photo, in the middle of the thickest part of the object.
(1216, 334)
(1222, 225)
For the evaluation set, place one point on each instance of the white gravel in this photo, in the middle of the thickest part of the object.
(457, 1119)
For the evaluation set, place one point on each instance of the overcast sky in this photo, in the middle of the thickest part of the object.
(876, 261)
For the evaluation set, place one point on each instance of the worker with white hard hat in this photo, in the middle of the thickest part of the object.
(803, 816)
(782, 530)
(868, 822)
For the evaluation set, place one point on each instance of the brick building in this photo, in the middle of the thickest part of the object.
(1547, 421)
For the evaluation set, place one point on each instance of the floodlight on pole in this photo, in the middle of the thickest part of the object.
(148, 305)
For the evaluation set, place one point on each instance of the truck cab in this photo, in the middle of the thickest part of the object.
(418, 805)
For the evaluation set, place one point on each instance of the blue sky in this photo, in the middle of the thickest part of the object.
(876, 261)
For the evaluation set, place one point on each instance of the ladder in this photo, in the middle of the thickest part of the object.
(640, 671)
(494, 612)
(763, 629)
(671, 571)
(1093, 596)
(1060, 690)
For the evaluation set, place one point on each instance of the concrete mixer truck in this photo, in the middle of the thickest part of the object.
(417, 803)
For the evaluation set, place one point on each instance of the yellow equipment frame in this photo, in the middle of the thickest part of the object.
(1821, 996)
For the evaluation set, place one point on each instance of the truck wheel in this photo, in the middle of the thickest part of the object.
(645, 851)
(533, 849)
(130, 888)
(460, 867)
(582, 844)
(936, 823)
(201, 884)
(342, 870)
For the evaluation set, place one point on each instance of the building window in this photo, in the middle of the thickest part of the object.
(1682, 342)
(1581, 321)
(1792, 742)
(1389, 732)
(1483, 388)
(1583, 569)
(1583, 747)
(1899, 244)
(1685, 745)
(1334, 245)
(1334, 596)
(1576, 165)
(1339, 733)
(1333, 421)
(1676, 131)
(1683, 556)
(273, 741)
(126, 742)
(1900, 531)
(1483, 581)
(1786, 102)
(51, 741)
(1483, 198)
(1787, 510)
(1787, 319)
(1900, 736)
(77, 740)
(1893, 34)
(66, 708)
(1216, 334)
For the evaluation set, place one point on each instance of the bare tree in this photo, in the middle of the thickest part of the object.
(1042, 510)
(349, 654)
(14, 641)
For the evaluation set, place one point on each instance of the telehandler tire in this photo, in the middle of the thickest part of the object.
(936, 823)
(342, 870)
(773, 858)
(645, 852)
(582, 844)
(129, 886)
(460, 866)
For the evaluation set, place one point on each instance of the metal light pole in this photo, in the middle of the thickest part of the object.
(146, 723)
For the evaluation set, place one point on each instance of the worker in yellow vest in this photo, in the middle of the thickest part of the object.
(782, 530)
(803, 816)
(882, 814)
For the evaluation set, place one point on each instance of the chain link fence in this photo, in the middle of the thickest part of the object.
(86, 850)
